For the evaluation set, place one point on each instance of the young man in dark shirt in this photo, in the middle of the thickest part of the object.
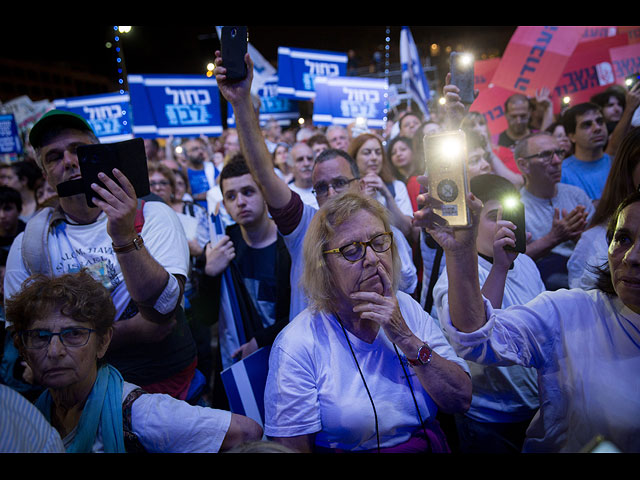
(259, 264)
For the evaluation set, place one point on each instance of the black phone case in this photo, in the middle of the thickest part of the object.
(516, 216)
(463, 78)
(128, 156)
(234, 47)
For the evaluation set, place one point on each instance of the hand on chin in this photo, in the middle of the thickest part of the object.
(372, 284)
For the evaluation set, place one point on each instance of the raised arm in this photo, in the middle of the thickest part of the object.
(238, 93)
(466, 306)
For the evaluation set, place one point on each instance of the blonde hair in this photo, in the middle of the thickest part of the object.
(317, 281)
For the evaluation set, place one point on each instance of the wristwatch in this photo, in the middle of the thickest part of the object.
(423, 357)
(136, 244)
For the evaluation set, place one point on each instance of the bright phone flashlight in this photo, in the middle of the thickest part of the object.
(510, 202)
(451, 148)
(466, 59)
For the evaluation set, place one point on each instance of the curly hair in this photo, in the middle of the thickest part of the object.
(76, 295)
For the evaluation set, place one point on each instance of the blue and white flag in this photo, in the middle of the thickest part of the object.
(109, 115)
(178, 105)
(297, 69)
(9, 137)
(414, 80)
(244, 384)
(342, 100)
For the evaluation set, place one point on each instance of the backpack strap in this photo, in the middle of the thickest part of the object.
(34, 241)
(36, 234)
(139, 221)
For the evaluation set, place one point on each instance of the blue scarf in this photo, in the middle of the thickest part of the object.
(103, 407)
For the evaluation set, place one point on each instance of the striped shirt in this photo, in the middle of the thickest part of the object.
(23, 429)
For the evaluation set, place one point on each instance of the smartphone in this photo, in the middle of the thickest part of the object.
(631, 80)
(462, 76)
(513, 211)
(445, 156)
(234, 42)
(128, 156)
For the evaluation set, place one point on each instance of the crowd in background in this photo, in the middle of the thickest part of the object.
(571, 171)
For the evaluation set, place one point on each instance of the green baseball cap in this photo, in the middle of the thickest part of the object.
(56, 118)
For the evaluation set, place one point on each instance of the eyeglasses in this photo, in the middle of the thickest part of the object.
(161, 183)
(339, 184)
(355, 251)
(70, 337)
(547, 155)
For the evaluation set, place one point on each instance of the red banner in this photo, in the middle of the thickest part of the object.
(625, 61)
(490, 103)
(632, 32)
(535, 57)
(594, 33)
(483, 72)
(588, 71)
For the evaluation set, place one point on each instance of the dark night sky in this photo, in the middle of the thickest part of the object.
(186, 49)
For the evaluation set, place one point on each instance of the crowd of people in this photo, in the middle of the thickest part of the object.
(387, 329)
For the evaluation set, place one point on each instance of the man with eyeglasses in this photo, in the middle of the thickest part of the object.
(334, 172)
(556, 214)
(589, 166)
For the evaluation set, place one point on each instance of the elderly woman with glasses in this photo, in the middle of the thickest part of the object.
(364, 368)
(63, 328)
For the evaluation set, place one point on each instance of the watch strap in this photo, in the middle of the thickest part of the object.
(136, 244)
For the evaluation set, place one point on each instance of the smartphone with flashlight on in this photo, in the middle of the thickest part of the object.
(233, 43)
(462, 75)
(445, 157)
(513, 211)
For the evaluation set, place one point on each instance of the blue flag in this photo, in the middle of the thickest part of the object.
(413, 78)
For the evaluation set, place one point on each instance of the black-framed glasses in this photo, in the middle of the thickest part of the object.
(321, 189)
(70, 337)
(355, 251)
(547, 155)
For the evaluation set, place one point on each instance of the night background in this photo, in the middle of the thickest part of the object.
(179, 49)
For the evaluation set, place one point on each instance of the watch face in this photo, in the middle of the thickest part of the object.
(423, 354)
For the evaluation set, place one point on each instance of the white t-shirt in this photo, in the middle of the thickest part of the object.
(538, 212)
(501, 394)
(401, 197)
(164, 424)
(306, 194)
(314, 386)
(72, 247)
(586, 348)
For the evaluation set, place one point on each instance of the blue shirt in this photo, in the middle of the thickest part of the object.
(590, 176)
(199, 184)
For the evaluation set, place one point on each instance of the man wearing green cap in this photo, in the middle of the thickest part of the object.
(145, 269)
